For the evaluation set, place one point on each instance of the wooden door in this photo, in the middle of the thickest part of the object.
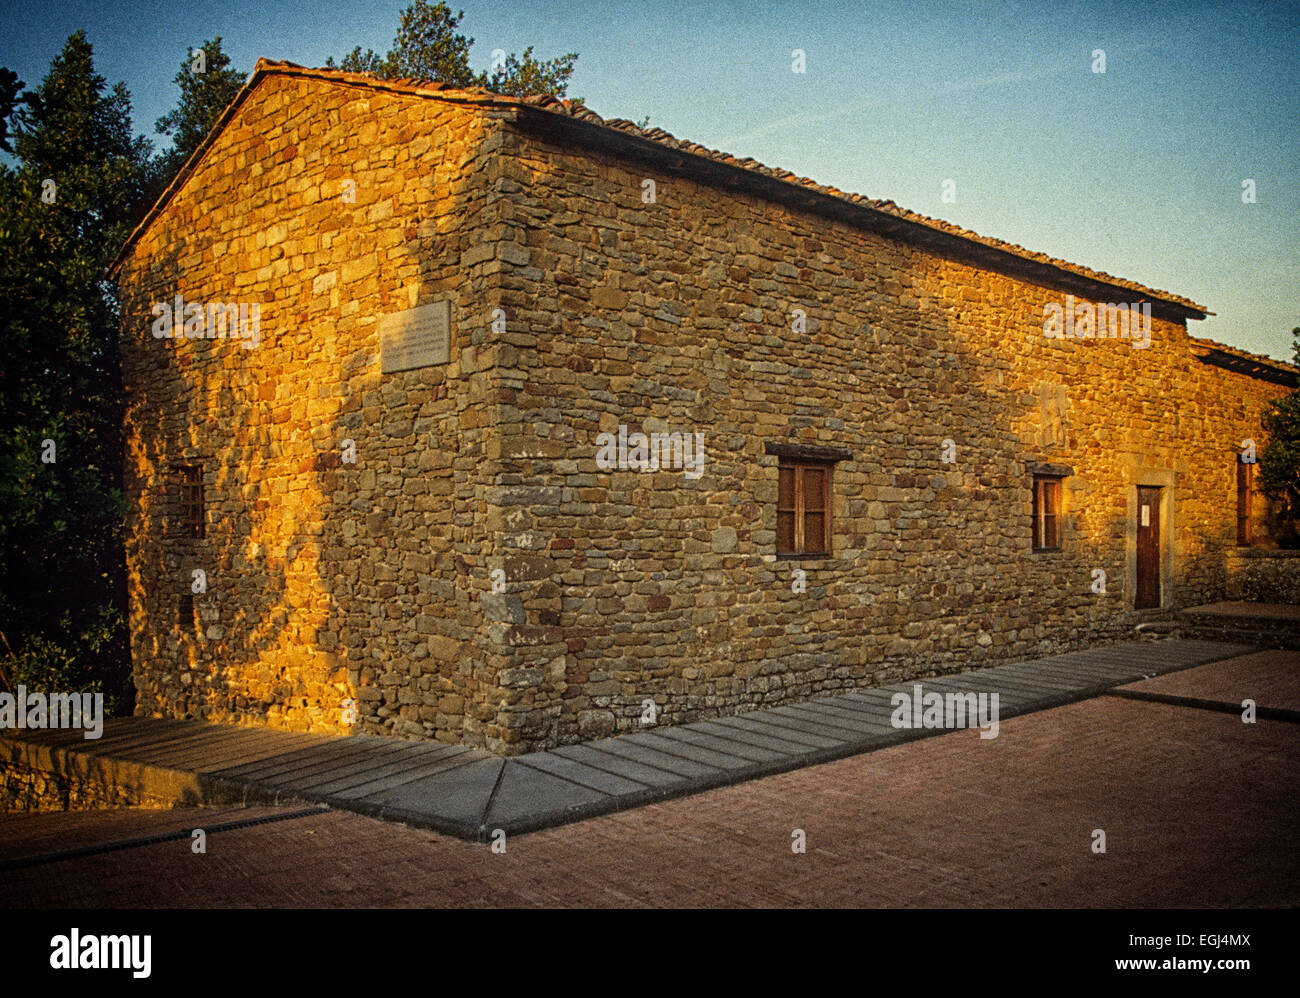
(1148, 548)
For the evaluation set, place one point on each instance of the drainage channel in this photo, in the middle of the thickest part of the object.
(1222, 707)
(149, 840)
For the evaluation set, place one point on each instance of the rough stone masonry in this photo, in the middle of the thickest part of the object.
(324, 538)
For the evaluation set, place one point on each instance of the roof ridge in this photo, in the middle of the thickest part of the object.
(577, 110)
(1261, 358)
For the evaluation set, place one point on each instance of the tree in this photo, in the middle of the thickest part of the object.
(525, 76)
(356, 62)
(205, 93)
(64, 210)
(1279, 461)
(10, 89)
(428, 47)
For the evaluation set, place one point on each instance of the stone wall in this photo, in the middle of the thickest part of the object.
(474, 576)
(678, 315)
(1263, 575)
(327, 580)
(35, 780)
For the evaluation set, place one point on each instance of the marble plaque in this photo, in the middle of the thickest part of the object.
(418, 337)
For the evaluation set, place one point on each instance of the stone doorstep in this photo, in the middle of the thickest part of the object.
(469, 794)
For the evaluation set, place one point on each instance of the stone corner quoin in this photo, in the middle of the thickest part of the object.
(351, 519)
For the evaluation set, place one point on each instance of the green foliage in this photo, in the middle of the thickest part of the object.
(356, 62)
(57, 665)
(204, 96)
(526, 76)
(1279, 461)
(49, 666)
(428, 47)
(10, 88)
(62, 591)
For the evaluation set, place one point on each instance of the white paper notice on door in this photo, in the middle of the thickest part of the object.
(1146, 516)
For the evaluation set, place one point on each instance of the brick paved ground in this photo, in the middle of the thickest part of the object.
(56, 831)
(1199, 809)
(1270, 678)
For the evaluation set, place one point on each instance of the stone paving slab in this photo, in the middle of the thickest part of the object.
(336, 753)
(855, 716)
(796, 729)
(804, 734)
(244, 755)
(360, 771)
(583, 775)
(869, 698)
(391, 780)
(613, 764)
(189, 752)
(455, 801)
(1097, 671)
(385, 772)
(119, 731)
(470, 794)
(1009, 692)
(746, 736)
(867, 707)
(688, 745)
(179, 743)
(1041, 682)
(854, 725)
(142, 737)
(1015, 693)
(527, 799)
(832, 724)
(869, 716)
(635, 751)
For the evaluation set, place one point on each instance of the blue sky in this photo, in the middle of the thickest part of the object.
(1137, 172)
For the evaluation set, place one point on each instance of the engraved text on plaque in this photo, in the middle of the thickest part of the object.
(418, 337)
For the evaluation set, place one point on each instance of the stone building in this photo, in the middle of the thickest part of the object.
(397, 357)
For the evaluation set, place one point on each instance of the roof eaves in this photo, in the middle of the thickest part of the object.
(574, 121)
(184, 172)
(1252, 365)
(882, 216)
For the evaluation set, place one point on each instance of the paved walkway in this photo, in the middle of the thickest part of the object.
(1199, 811)
(470, 793)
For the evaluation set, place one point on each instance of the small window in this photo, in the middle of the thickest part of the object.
(803, 508)
(185, 612)
(1244, 469)
(191, 501)
(1047, 513)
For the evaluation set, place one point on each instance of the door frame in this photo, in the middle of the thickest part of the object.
(1163, 479)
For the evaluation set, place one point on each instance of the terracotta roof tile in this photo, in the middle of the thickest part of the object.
(886, 206)
(574, 109)
(1258, 358)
